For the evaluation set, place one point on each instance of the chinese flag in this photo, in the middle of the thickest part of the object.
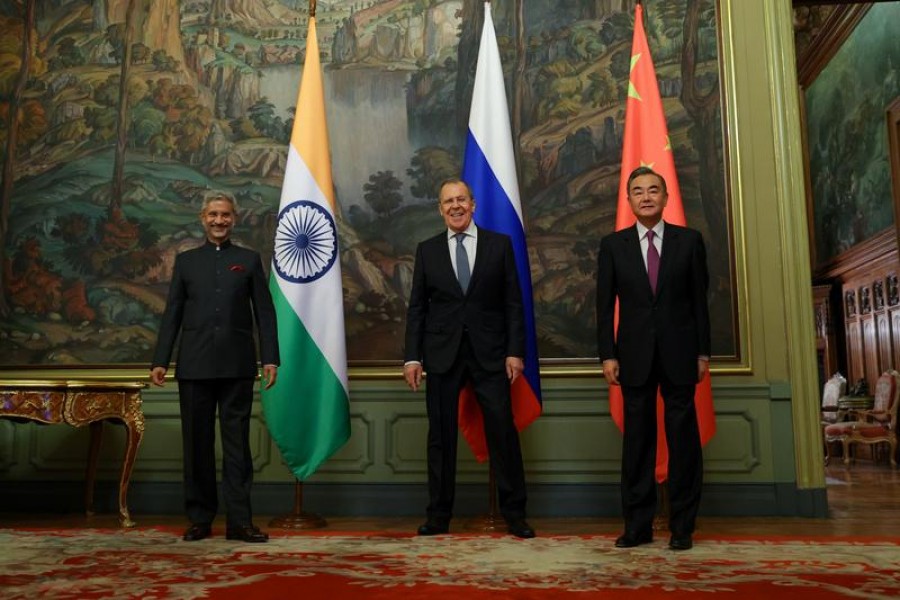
(647, 144)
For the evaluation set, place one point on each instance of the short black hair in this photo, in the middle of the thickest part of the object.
(645, 171)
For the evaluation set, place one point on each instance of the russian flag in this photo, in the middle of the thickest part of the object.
(489, 167)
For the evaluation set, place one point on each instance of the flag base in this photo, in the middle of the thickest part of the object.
(299, 518)
(661, 521)
(492, 522)
(304, 520)
(489, 523)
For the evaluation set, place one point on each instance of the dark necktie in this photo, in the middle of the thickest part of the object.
(652, 260)
(463, 272)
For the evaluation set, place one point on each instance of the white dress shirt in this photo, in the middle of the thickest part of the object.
(657, 240)
(470, 243)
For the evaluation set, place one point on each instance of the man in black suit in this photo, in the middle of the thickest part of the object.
(465, 324)
(658, 273)
(217, 292)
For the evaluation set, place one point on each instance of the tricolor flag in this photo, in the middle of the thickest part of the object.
(489, 167)
(647, 144)
(307, 411)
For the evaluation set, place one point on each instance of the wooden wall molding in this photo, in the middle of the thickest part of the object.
(833, 33)
(879, 250)
(893, 127)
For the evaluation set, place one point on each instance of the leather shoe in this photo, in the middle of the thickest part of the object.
(196, 532)
(246, 533)
(433, 527)
(630, 539)
(521, 529)
(681, 542)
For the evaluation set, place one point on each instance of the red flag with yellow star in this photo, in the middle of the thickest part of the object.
(647, 144)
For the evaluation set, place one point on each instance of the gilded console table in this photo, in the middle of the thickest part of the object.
(80, 403)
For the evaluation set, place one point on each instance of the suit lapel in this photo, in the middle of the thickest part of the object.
(482, 246)
(670, 241)
(636, 256)
(444, 265)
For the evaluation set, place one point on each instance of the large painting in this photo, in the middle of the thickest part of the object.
(849, 167)
(130, 111)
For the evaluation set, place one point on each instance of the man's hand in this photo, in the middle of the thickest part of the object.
(270, 374)
(702, 368)
(158, 376)
(514, 367)
(412, 373)
(610, 370)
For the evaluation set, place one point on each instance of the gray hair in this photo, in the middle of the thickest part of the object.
(452, 180)
(214, 196)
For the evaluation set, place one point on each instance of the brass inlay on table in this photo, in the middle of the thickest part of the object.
(80, 403)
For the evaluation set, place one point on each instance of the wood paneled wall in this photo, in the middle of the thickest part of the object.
(867, 313)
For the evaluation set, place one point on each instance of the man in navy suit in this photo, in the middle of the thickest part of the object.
(465, 324)
(658, 273)
(217, 292)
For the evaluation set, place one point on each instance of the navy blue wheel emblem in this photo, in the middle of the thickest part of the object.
(305, 242)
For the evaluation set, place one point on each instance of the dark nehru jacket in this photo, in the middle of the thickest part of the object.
(216, 294)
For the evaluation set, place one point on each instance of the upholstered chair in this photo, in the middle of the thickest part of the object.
(831, 413)
(877, 425)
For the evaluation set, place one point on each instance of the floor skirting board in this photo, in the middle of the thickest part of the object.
(381, 499)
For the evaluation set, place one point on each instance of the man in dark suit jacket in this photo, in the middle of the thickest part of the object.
(465, 324)
(663, 342)
(217, 292)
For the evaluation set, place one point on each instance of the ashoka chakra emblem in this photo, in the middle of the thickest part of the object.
(305, 242)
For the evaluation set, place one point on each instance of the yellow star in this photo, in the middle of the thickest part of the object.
(632, 91)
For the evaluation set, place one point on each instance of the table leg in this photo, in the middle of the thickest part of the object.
(90, 474)
(135, 432)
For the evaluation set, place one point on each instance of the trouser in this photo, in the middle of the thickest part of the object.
(442, 401)
(199, 400)
(685, 468)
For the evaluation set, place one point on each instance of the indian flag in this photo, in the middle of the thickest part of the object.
(307, 410)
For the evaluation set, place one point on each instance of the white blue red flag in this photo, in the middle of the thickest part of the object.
(489, 167)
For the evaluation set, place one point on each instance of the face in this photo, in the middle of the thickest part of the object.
(647, 199)
(456, 206)
(218, 220)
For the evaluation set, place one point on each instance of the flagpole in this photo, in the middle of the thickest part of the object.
(492, 521)
(300, 519)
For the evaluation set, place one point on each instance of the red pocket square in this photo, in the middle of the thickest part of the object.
(236, 268)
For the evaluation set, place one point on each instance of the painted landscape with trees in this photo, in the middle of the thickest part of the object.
(117, 117)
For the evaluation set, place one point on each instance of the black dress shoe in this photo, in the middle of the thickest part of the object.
(681, 542)
(630, 539)
(246, 533)
(521, 529)
(197, 532)
(433, 527)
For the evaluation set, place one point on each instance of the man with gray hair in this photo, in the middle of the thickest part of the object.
(217, 292)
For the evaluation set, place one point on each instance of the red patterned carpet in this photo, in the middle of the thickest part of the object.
(155, 563)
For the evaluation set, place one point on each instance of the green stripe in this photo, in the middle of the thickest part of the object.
(307, 410)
